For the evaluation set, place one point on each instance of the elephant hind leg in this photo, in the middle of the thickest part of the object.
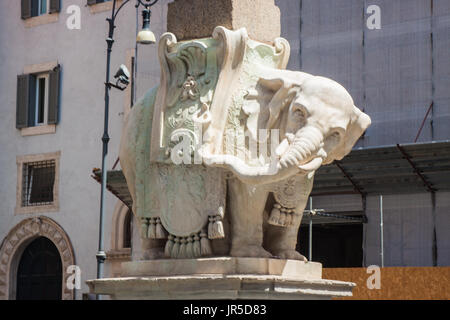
(152, 249)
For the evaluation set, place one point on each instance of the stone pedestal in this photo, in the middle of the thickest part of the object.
(221, 278)
(192, 19)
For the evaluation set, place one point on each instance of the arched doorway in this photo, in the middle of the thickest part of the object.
(39, 274)
(128, 229)
(17, 241)
(121, 239)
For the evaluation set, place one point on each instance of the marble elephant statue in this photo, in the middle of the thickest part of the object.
(220, 157)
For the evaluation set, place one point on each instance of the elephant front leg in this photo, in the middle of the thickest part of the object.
(246, 207)
(282, 228)
(282, 241)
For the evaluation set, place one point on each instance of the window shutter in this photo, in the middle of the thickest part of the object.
(53, 99)
(55, 6)
(26, 9)
(34, 8)
(32, 100)
(91, 2)
(23, 100)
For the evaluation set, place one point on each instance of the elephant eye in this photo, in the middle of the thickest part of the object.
(336, 134)
(299, 110)
(298, 114)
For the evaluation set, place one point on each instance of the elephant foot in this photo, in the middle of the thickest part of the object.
(290, 254)
(250, 251)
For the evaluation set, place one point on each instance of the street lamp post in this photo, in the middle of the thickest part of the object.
(145, 36)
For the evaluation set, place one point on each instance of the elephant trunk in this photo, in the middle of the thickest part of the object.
(306, 145)
(305, 154)
(254, 175)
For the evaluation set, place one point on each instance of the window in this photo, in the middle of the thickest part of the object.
(38, 7)
(35, 8)
(37, 99)
(37, 183)
(41, 109)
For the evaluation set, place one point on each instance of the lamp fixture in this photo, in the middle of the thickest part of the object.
(146, 36)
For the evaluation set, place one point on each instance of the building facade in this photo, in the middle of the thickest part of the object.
(51, 128)
(51, 125)
(392, 56)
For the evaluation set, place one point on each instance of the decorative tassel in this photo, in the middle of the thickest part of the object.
(205, 246)
(218, 228)
(152, 229)
(282, 220)
(288, 221)
(221, 212)
(295, 217)
(281, 216)
(275, 215)
(215, 227)
(218, 232)
(160, 231)
(182, 252)
(218, 225)
(144, 227)
(189, 248)
(196, 246)
(210, 225)
(175, 248)
(169, 245)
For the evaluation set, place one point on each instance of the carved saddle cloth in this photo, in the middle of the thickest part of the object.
(184, 203)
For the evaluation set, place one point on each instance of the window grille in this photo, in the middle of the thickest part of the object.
(38, 180)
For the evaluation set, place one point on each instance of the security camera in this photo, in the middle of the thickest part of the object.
(123, 75)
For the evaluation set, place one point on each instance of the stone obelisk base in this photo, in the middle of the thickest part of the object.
(221, 278)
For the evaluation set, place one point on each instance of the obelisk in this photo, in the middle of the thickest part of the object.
(193, 19)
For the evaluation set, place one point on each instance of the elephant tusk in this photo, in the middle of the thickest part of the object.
(313, 165)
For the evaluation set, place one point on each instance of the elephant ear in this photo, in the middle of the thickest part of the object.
(282, 91)
(358, 124)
